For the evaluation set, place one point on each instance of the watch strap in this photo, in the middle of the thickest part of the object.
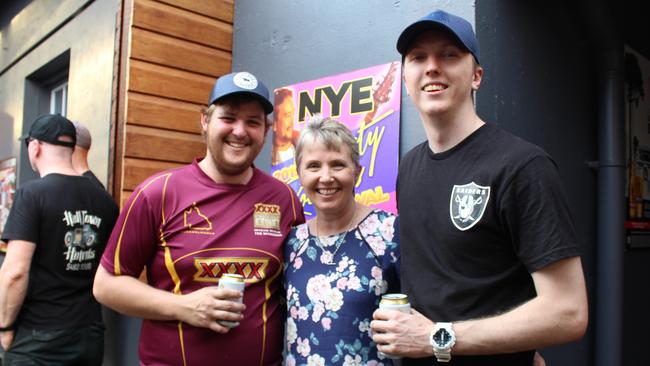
(443, 354)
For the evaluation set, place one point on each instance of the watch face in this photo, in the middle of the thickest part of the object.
(442, 337)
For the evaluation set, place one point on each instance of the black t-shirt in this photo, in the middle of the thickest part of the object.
(476, 220)
(90, 175)
(69, 219)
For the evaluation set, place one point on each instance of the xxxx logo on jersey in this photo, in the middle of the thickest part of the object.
(211, 269)
(266, 219)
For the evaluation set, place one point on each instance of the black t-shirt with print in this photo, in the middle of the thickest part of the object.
(69, 218)
(476, 221)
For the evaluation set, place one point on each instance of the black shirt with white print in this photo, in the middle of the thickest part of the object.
(477, 220)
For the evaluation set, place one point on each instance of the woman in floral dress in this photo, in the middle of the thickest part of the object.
(339, 263)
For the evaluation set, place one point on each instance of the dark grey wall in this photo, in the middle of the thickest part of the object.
(287, 41)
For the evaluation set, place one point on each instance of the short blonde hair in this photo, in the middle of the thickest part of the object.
(329, 132)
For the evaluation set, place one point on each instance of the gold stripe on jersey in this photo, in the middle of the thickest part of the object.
(116, 261)
(293, 204)
(267, 296)
(180, 335)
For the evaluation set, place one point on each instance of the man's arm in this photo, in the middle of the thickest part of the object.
(558, 314)
(14, 278)
(202, 308)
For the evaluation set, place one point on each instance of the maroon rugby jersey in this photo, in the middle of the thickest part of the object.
(188, 230)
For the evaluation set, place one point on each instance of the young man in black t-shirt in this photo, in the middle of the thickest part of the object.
(490, 258)
(56, 231)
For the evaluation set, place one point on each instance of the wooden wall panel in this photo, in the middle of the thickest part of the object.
(218, 9)
(176, 49)
(138, 170)
(181, 54)
(151, 111)
(156, 144)
(170, 83)
(183, 24)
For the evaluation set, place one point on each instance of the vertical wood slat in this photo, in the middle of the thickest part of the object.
(172, 51)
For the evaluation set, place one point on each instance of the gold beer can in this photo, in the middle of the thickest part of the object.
(399, 302)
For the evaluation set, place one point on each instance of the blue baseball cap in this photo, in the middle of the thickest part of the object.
(241, 83)
(457, 26)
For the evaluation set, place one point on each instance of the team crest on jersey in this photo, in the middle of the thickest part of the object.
(196, 222)
(253, 269)
(266, 219)
(467, 204)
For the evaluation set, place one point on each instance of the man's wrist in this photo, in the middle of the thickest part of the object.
(7, 327)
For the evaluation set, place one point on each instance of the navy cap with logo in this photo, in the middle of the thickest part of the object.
(460, 28)
(50, 128)
(241, 83)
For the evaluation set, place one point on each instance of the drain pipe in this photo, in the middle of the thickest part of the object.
(608, 301)
(611, 209)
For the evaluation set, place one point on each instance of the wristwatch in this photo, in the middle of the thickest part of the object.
(442, 339)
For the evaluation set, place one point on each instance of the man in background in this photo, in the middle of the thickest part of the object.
(56, 232)
(80, 154)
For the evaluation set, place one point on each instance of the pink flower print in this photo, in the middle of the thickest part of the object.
(291, 361)
(377, 244)
(297, 263)
(381, 287)
(302, 232)
(342, 283)
(370, 225)
(327, 323)
(291, 331)
(343, 264)
(352, 361)
(315, 360)
(387, 229)
(354, 283)
(334, 300)
(376, 273)
(303, 347)
(326, 257)
(318, 312)
(303, 314)
(317, 287)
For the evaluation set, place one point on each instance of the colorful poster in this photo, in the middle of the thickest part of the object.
(367, 101)
(637, 128)
(7, 191)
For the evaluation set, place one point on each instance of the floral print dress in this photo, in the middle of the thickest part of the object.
(334, 284)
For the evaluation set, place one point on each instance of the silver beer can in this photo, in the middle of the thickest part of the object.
(234, 282)
(399, 302)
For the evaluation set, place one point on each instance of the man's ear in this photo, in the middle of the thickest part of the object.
(405, 85)
(477, 77)
(204, 122)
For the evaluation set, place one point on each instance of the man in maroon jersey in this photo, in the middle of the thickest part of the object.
(188, 226)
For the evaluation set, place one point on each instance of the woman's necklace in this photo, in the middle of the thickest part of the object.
(328, 257)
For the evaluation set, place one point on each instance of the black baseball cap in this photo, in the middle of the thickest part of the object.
(458, 27)
(241, 83)
(50, 128)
